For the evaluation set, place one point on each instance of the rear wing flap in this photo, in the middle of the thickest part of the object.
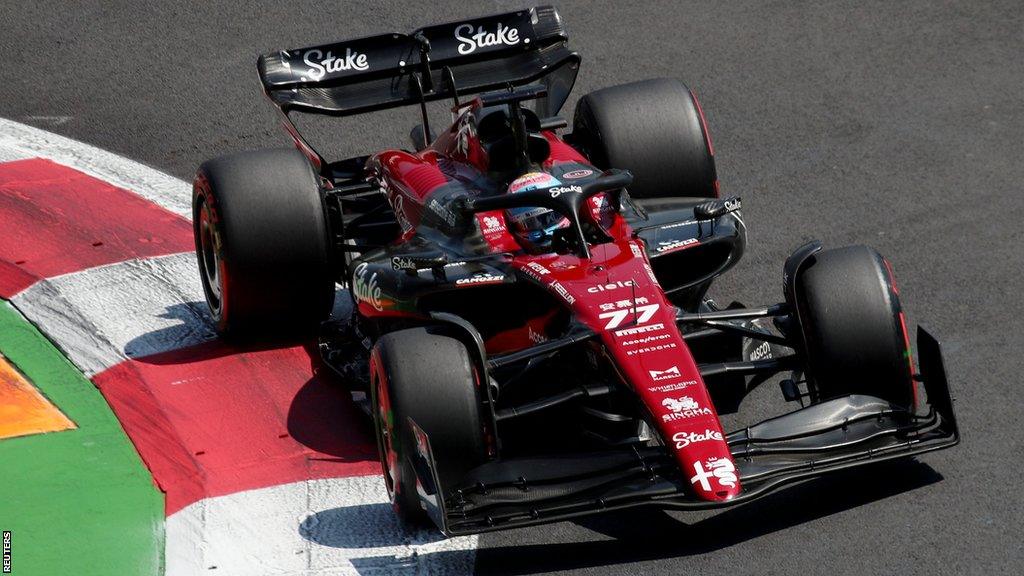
(432, 63)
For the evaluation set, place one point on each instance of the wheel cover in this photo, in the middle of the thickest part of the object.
(389, 461)
(211, 258)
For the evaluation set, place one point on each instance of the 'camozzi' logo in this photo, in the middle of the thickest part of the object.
(320, 65)
(469, 40)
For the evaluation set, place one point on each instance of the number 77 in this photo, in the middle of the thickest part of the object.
(645, 313)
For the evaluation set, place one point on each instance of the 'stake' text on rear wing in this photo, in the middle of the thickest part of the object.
(432, 63)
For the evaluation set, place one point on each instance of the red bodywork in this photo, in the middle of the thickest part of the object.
(615, 293)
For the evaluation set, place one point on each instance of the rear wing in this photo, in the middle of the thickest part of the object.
(432, 63)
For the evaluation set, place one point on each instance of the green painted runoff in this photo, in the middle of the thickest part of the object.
(78, 501)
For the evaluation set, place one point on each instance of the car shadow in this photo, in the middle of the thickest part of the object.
(323, 417)
(377, 543)
(334, 528)
(192, 326)
(194, 334)
(320, 414)
(641, 534)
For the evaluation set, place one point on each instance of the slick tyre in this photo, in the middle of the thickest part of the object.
(262, 243)
(430, 378)
(656, 130)
(853, 327)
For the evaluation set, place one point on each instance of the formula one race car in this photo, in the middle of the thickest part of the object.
(530, 328)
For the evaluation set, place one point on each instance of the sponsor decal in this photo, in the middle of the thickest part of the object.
(682, 408)
(639, 330)
(732, 204)
(400, 215)
(535, 271)
(465, 133)
(421, 442)
(533, 181)
(602, 207)
(470, 40)
(577, 174)
(535, 337)
(623, 304)
(644, 312)
(669, 374)
(557, 286)
(538, 268)
(610, 286)
(684, 439)
(402, 263)
(721, 470)
(481, 278)
(680, 404)
(666, 388)
(679, 225)
(524, 216)
(675, 244)
(762, 352)
(559, 190)
(645, 340)
(650, 273)
(442, 212)
(492, 224)
(637, 250)
(320, 65)
(366, 289)
(650, 349)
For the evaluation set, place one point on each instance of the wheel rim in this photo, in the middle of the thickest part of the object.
(211, 258)
(385, 438)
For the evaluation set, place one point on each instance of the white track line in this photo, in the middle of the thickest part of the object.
(335, 526)
(18, 141)
(103, 315)
(9, 153)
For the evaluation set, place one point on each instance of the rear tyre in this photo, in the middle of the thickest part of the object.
(262, 243)
(853, 326)
(430, 378)
(653, 128)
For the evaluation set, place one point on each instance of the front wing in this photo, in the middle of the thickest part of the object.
(833, 435)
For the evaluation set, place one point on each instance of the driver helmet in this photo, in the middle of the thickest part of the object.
(534, 225)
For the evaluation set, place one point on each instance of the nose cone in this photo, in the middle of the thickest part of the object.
(714, 478)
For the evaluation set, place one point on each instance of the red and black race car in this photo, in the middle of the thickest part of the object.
(530, 330)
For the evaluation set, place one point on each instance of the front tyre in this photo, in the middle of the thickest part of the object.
(430, 378)
(854, 328)
(262, 243)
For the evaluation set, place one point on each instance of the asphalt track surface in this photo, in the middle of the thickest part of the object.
(899, 125)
